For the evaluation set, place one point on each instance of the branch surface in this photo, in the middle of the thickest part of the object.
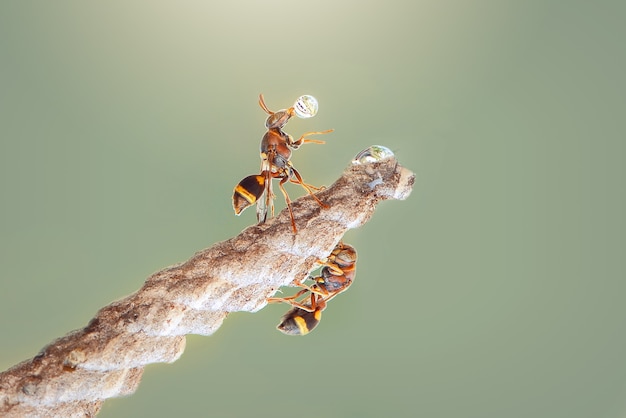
(73, 375)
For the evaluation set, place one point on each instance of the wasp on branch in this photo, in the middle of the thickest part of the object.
(276, 148)
(337, 274)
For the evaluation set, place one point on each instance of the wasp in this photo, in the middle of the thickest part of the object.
(336, 275)
(276, 148)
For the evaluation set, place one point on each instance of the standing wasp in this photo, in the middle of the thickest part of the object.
(337, 274)
(276, 148)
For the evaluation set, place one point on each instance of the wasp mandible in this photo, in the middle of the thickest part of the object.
(276, 148)
(337, 274)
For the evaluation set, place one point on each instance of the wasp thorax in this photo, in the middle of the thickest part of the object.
(372, 154)
(305, 107)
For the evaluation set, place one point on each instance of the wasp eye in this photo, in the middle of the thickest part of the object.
(305, 107)
(372, 154)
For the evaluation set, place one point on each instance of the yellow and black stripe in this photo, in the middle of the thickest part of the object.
(247, 192)
(299, 322)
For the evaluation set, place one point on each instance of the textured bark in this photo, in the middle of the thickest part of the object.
(74, 374)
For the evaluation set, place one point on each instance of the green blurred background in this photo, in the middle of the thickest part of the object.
(496, 290)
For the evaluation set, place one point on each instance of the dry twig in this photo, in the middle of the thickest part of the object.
(73, 375)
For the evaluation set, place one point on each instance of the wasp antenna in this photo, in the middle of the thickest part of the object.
(263, 105)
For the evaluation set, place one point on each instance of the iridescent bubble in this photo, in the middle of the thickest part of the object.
(372, 154)
(305, 107)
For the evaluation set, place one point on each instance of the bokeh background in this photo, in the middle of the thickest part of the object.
(496, 290)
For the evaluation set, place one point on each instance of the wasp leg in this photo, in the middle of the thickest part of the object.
(333, 294)
(306, 187)
(301, 305)
(288, 201)
(316, 304)
(317, 287)
(287, 299)
(314, 290)
(305, 140)
(310, 186)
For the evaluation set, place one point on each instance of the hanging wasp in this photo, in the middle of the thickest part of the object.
(276, 148)
(337, 274)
